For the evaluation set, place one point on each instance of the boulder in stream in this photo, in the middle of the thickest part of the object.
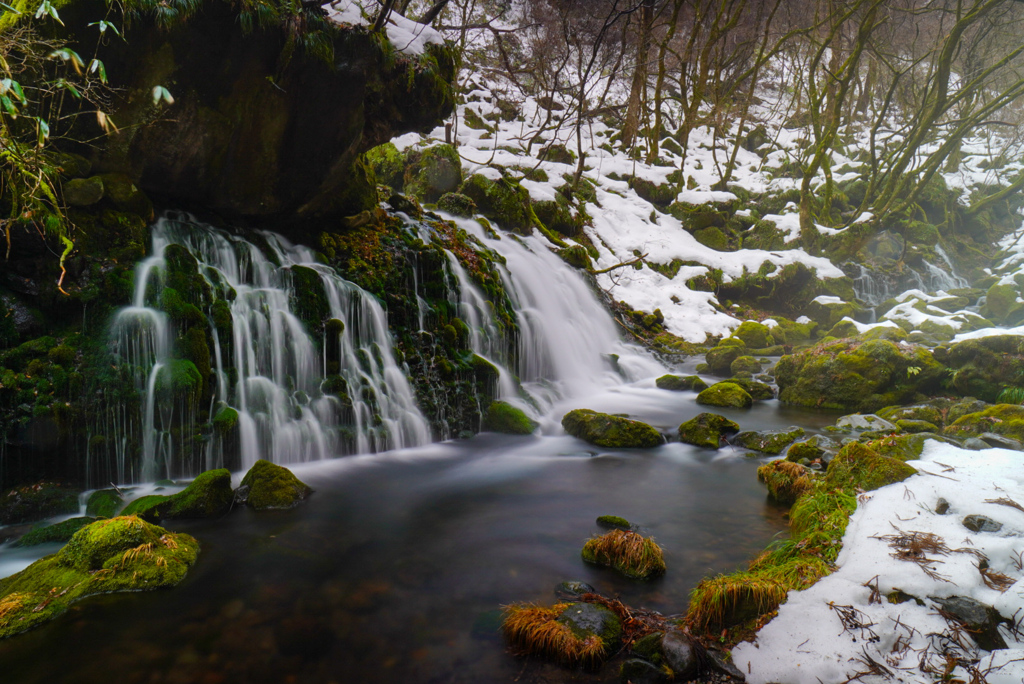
(104, 503)
(725, 394)
(269, 486)
(112, 555)
(208, 496)
(631, 553)
(506, 418)
(772, 442)
(707, 430)
(681, 383)
(611, 432)
(580, 634)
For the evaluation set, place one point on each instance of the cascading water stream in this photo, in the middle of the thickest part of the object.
(270, 371)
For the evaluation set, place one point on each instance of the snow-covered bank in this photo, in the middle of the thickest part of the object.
(898, 546)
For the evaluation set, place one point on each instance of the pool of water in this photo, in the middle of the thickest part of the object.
(396, 569)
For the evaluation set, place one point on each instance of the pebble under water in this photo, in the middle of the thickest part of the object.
(396, 569)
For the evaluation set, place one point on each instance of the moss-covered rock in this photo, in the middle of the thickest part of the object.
(785, 480)
(754, 335)
(856, 375)
(269, 486)
(725, 394)
(925, 412)
(1000, 300)
(104, 503)
(83, 192)
(387, 164)
(57, 532)
(681, 383)
(118, 554)
(721, 357)
(745, 364)
(1002, 419)
(857, 465)
(614, 522)
(906, 447)
(35, 502)
(501, 200)
(758, 391)
(984, 367)
(611, 432)
(431, 172)
(912, 426)
(827, 311)
(456, 204)
(816, 448)
(504, 417)
(772, 442)
(208, 496)
(707, 430)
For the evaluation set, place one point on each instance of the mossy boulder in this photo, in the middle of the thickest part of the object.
(614, 522)
(827, 311)
(725, 394)
(588, 620)
(1002, 419)
(506, 418)
(772, 442)
(83, 192)
(57, 532)
(984, 367)
(906, 447)
(707, 430)
(721, 357)
(745, 364)
(816, 448)
(754, 335)
(681, 383)
(662, 194)
(611, 432)
(35, 502)
(457, 204)
(208, 496)
(785, 480)
(118, 554)
(857, 375)
(501, 200)
(912, 426)
(431, 172)
(1000, 300)
(758, 391)
(271, 486)
(104, 503)
(857, 465)
(387, 164)
(558, 215)
(925, 412)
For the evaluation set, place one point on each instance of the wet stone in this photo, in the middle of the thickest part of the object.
(679, 654)
(976, 444)
(573, 589)
(941, 506)
(981, 523)
(1000, 441)
(868, 421)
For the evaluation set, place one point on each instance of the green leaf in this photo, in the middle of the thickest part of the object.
(161, 93)
(61, 83)
(47, 9)
(8, 106)
(104, 26)
(9, 8)
(43, 130)
(68, 56)
(96, 66)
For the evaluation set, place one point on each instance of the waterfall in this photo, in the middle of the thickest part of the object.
(297, 394)
(874, 287)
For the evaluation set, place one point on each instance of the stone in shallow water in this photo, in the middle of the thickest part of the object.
(681, 383)
(981, 523)
(573, 589)
(590, 619)
(610, 431)
(726, 394)
(638, 671)
(707, 430)
(771, 442)
(679, 654)
(868, 421)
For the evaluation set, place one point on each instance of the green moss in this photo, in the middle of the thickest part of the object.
(1002, 419)
(857, 465)
(179, 380)
(707, 430)
(609, 431)
(145, 506)
(58, 532)
(104, 503)
(309, 298)
(387, 164)
(208, 496)
(786, 481)
(431, 172)
(714, 238)
(726, 394)
(659, 194)
(745, 364)
(576, 256)
(679, 383)
(36, 502)
(225, 420)
(503, 417)
(119, 554)
(984, 367)
(721, 357)
(179, 310)
(456, 204)
(558, 215)
(916, 426)
(757, 390)
(613, 522)
(754, 335)
(501, 200)
(273, 487)
(1000, 300)
(772, 442)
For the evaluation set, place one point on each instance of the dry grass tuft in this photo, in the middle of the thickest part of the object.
(14, 603)
(786, 480)
(632, 554)
(536, 631)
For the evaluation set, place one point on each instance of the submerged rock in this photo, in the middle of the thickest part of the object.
(707, 430)
(271, 486)
(772, 442)
(506, 418)
(680, 383)
(725, 394)
(573, 589)
(117, 554)
(57, 532)
(612, 432)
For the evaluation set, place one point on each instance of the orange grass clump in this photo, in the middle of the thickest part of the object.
(786, 480)
(632, 554)
(535, 630)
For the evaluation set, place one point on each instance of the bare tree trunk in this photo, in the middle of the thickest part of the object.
(639, 85)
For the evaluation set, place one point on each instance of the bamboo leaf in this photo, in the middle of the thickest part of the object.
(161, 93)
(96, 66)
(45, 8)
(43, 130)
(9, 8)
